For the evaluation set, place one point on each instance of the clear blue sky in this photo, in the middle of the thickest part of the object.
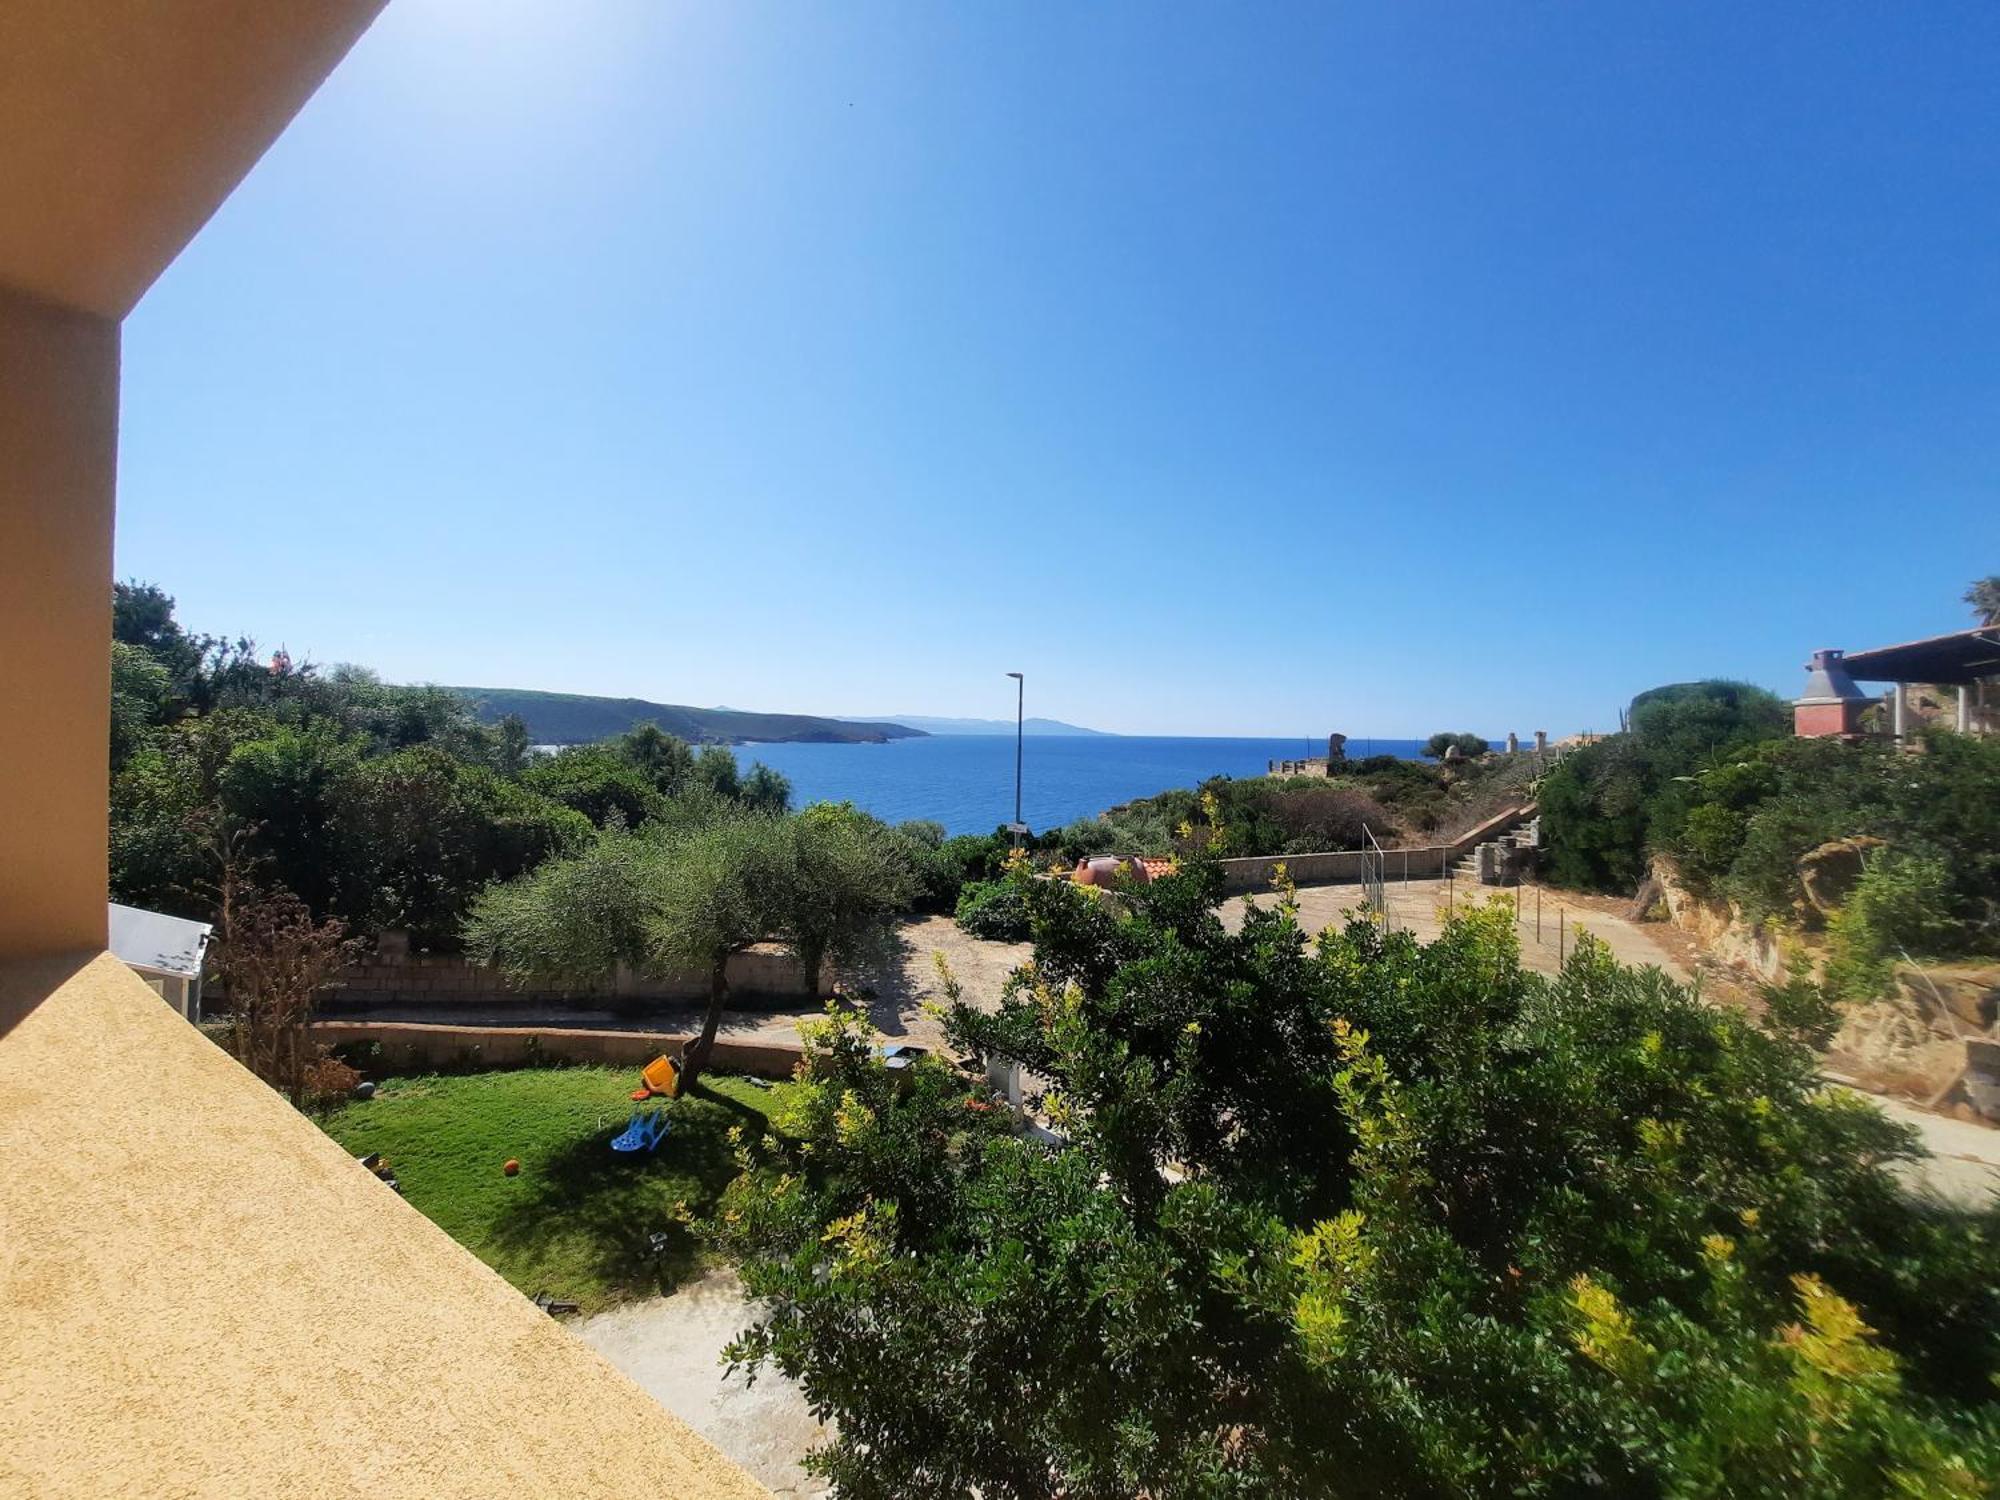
(1228, 369)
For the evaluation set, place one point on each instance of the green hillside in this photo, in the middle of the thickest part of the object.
(577, 719)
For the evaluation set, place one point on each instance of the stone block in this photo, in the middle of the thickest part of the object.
(1969, 992)
(1982, 1077)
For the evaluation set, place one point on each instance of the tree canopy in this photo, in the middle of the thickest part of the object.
(1467, 744)
(1360, 1217)
(681, 896)
(1983, 597)
(1604, 806)
(383, 806)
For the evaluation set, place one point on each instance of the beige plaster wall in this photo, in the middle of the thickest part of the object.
(58, 466)
(124, 123)
(205, 1296)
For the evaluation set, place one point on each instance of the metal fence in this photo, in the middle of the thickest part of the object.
(1374, 891)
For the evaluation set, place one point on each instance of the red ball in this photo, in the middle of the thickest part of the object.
(512, 1167)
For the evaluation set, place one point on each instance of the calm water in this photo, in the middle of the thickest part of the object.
(966, 782)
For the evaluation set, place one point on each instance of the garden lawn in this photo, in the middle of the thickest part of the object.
(577, 1220)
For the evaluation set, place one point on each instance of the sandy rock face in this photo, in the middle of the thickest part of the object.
(1721, 929)
(1968, 993)
(1886, 1046)
(1830, 872)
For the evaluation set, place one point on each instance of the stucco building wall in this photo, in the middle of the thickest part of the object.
(206, 1296)
(58, 468)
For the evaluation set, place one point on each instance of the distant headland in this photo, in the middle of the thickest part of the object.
(931, 724)
(579, 719)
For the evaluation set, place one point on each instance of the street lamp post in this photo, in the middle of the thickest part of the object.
(1020, 702)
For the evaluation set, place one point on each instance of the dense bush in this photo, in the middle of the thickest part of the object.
(1469, 745)
(1605, 805)
(1327, 817)
(383, 806)
(1898, 909)
(597, 781)
(995, 910)
(1361, 1218)
(417, 833)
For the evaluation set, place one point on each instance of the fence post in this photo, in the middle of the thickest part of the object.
(1562, 934)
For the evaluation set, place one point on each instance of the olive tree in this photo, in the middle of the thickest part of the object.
(1469, 745)
(684, 894)
(847, 874)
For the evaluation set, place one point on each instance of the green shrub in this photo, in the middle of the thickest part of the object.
(1943, 804)
(1607, 807)
(1593, 811)
(1898, 909)
(1711, 836)
(1471, 746)
(995, 910)
(1365, 1217)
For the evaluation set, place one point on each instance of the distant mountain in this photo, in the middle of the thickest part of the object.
(930, 724)
(577, 719)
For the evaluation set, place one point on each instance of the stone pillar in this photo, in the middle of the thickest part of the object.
(1964, 708)
(1513, 743)
(1541, 742)
(58, 468)
(1899, 708)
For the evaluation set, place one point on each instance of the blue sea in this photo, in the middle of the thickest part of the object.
(966, 781)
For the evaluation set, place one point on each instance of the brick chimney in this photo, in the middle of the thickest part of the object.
(1831, 703)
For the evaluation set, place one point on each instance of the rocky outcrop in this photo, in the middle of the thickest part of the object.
(1888, 1046)
(1964, 996)
(1927, 1039)
(1726, 936)
(1831, 872)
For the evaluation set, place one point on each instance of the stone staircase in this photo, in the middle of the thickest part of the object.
(1502, 859)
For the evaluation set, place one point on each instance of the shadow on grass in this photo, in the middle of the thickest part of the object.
(747, 1115)
(597, 1209)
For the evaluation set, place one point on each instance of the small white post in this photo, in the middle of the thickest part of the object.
(1899, 708)
(1964, 708)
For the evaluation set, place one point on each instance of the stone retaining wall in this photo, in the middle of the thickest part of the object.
(1430, 862)
(393, 975)
(411, 1047)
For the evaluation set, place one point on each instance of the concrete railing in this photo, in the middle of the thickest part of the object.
(1337, 866)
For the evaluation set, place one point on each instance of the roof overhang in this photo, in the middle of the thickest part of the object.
(125, 123)
(1965, 656)
(158, 943)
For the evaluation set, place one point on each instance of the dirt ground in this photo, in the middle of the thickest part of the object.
(1548, 920)
(905, 978)
(671, 1348)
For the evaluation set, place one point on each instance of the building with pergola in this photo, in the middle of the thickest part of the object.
(1966, 660)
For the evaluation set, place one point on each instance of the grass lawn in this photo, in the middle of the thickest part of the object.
(577, 1219)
